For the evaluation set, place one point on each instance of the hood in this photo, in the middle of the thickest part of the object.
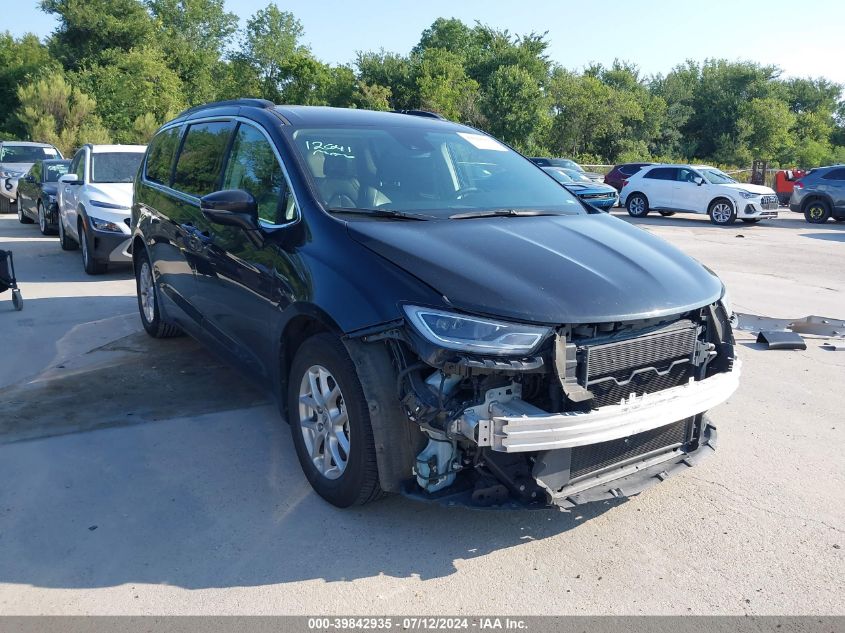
(594, 176)
(549, 269)
(581, 188)
(113, 192)
(758, 189)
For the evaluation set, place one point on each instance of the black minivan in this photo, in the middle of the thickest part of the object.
(434, 313)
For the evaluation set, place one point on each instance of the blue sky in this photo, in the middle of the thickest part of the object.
(803, 38)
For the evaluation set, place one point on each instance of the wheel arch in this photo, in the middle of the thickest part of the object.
(721, 197)
(816, 196)
(634, 193)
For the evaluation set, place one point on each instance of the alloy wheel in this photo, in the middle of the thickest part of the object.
(42, 220)
(146, 291)
(324, 422)
(816, 212)
(637, 205)
(722, 212)
(83, 239)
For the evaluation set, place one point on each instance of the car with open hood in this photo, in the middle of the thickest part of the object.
(94, 201)
(435, 315)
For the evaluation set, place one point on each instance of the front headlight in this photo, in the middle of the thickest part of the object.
(747, 194)
(105, 225)
(7, 173)
(474, 334)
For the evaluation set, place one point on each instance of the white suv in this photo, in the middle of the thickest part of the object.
(95, 202)
(697, 189)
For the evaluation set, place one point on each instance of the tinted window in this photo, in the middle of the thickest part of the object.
(253, 167)
(115, 166)
(661, 173)
(835, 174)
(160, 155)
(686, 175)
(199, 162)
(628, 170)
(54, 171)
(26, 153)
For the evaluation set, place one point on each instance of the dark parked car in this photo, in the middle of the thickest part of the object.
(820, 195)
(435, 315)
(37, 192)
(617, 176)
(597, 194)
(565, 163)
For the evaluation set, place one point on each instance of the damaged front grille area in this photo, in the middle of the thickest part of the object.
(659, 359)
(594, 458)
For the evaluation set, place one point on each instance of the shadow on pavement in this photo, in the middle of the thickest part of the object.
(220, 501)
(831, 237)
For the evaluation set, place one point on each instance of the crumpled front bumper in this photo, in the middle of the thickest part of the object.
(515, 426)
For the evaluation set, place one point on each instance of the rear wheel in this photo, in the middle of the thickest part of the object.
(637, 205)
(23, 218)
(92, 266)
(816, 212)
(17, 300)
(330, 423)
(148, 305)
(65, 240)
(722, 212)
(5, 205)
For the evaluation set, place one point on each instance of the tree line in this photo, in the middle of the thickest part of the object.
(114, 70)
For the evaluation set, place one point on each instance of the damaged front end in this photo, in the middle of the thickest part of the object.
(557, 416)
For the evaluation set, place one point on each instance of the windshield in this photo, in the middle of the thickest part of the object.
(716, 177)
(565, 163)
(26, 153)
(576, 176)
(53, 171)
(435, 171)
(558, 174)
(115, 166)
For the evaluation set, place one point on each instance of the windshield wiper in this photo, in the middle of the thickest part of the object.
(380, 213)
(492, 213)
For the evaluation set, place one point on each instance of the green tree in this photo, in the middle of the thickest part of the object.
(514, 106)
(53, 111)
(20, 60)
(132, 84)
(193, 38)
(765, 126)
(443, 85)
(88, 28)
(392, 71)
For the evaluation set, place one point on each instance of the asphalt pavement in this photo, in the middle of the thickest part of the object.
(148, 477)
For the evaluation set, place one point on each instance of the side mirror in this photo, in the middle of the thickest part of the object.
(698, 180)
(70, 179)
(232, 207)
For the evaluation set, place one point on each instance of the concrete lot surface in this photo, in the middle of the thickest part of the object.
(147, 477)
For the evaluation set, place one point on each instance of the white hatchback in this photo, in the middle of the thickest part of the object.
(95, 203)
(697, 189)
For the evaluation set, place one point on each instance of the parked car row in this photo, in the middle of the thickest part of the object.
(86, 200)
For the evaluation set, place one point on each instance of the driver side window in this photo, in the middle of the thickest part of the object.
(78, 165)
(253, 167)
(687, 175)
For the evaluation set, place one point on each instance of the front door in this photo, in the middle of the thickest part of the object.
(70, 194)
(240, 282)
(688, 194)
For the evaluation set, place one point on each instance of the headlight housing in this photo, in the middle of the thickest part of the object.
(747, 194)
(108, 205)
(728, 307)
(474, 334)
(105, 225)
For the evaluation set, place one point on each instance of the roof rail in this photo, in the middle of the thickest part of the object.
(423, 113)
(248, 102)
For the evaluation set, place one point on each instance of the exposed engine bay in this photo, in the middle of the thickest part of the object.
(595, 411)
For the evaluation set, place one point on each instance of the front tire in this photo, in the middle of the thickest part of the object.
(43, 225)
(330, 423)
(23, 218)
(148, 302)
(817, 212)
(91, 265)
(65, 240)
(637, 205)
(722, 212)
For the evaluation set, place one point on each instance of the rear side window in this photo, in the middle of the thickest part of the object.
(253, 167)
(835, 174)
(661, 173)
(160, 156)
(199, 162)
(630, 170)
